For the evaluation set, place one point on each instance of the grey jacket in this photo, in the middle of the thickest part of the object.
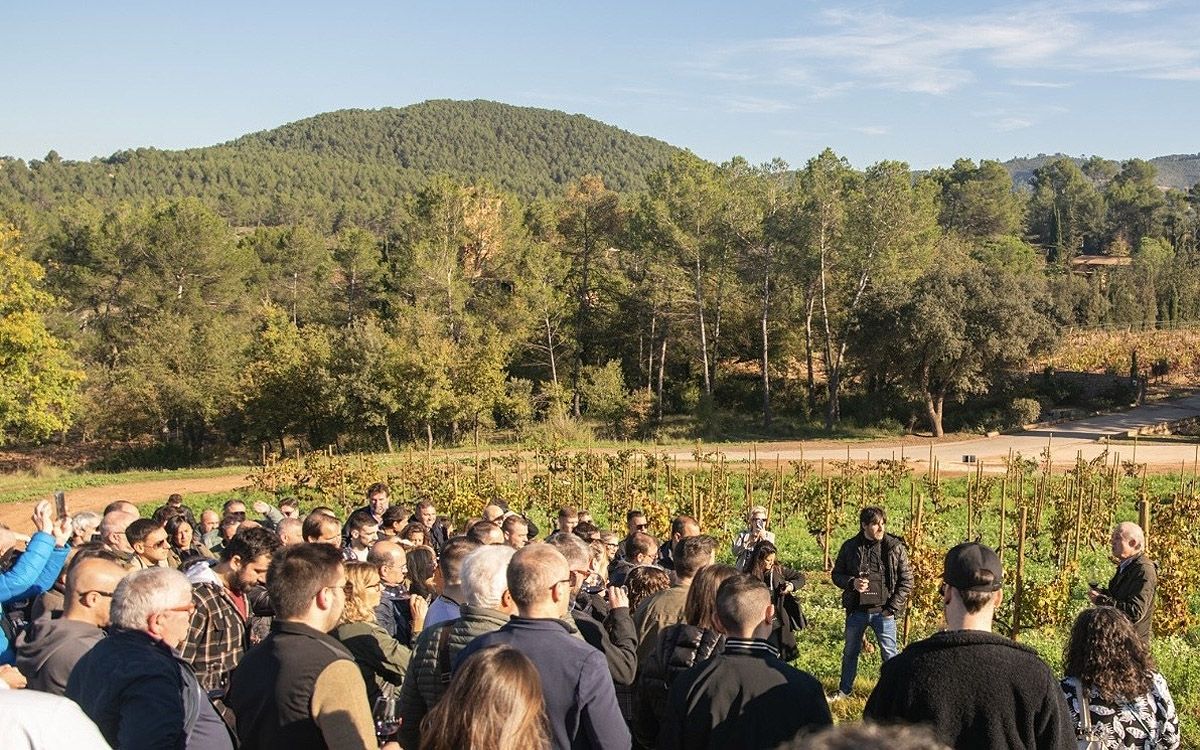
(48, 651)
(424, 683)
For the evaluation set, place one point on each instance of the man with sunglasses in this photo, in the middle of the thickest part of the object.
(149, 541)
(49, 650)
(133, 683)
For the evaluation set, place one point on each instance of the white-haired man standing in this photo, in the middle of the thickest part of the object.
(488, 607)
(1131, 589)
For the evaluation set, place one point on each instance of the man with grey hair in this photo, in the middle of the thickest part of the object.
(290, 530)
(84, 526)
(133, 683)
(487, 607)
(580, 701)
(1131, 589)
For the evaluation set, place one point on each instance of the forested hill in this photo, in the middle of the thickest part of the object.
(1179, 171)
(353, 164)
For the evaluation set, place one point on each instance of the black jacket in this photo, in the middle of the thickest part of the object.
(138, 692)
(977, 691)
(744, 697)
(897, 572)
(615, 637)
(679, 648)
(1131, 590)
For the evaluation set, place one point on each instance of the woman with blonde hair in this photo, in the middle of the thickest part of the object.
(494, 702)
(749, 537)
(381, 658)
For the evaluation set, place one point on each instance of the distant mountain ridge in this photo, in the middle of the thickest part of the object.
(356, 165)
(1179, 171)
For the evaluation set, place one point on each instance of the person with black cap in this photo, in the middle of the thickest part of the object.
(975, 689)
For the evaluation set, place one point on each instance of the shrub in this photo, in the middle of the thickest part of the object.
(1022, 411)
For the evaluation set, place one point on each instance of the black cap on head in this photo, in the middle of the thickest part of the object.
(973, 567)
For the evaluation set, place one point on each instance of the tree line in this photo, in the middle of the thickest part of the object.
(819, 294)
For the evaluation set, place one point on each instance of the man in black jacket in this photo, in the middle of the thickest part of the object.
(975, 689)
(744, 697)
(873, 571)
(1131, 589)
(134, 684)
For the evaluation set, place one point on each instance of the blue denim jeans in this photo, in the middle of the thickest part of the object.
(856, 625)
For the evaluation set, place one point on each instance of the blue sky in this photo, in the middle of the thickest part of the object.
(925, 82)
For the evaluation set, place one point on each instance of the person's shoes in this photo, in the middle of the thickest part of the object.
(838, 696)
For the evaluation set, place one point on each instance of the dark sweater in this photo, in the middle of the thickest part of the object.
(744, 697)
(976, 690)
(580, 699)
(1131, 590)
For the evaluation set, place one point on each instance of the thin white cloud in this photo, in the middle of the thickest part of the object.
(940, 54)
(872, 130)
(756, 105)
(1012, 123)
(1040, 84)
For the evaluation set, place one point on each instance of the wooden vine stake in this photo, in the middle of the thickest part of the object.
(1020, 585)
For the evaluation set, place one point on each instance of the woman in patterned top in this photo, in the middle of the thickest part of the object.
(1128, 703)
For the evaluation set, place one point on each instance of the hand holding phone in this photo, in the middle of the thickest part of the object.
(60, 503)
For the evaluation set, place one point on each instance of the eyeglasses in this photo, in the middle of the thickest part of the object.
(567, 581)
(95, 591)
(161, 545)
(641, 525)
(190, 607)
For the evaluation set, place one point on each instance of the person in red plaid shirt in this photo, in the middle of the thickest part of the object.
(217, 634)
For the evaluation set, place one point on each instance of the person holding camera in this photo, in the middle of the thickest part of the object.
(875, 576)
(782, 582)
(755, 532)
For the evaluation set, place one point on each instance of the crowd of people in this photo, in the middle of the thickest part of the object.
(395, 629)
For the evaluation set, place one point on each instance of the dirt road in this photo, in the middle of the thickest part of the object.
(1066, 440)
(16, 515)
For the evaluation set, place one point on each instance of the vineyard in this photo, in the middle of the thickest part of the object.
(1160, 353)
(1051, 527)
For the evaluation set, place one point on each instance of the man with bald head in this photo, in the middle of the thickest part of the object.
(1131, 589)
(399, 613)
(580, 700)
(112, 531)
(290, 531)
(48, 651)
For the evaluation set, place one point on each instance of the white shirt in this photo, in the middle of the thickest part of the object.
(41, 721)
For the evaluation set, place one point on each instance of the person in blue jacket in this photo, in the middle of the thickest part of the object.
(36, 569)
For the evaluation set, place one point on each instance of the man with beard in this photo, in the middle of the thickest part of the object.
(217, 634)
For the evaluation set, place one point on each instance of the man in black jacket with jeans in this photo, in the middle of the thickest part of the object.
(873, 571)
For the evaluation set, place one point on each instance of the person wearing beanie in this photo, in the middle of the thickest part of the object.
(973, 688)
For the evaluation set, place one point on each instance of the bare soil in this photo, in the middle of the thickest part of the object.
(17, 515)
